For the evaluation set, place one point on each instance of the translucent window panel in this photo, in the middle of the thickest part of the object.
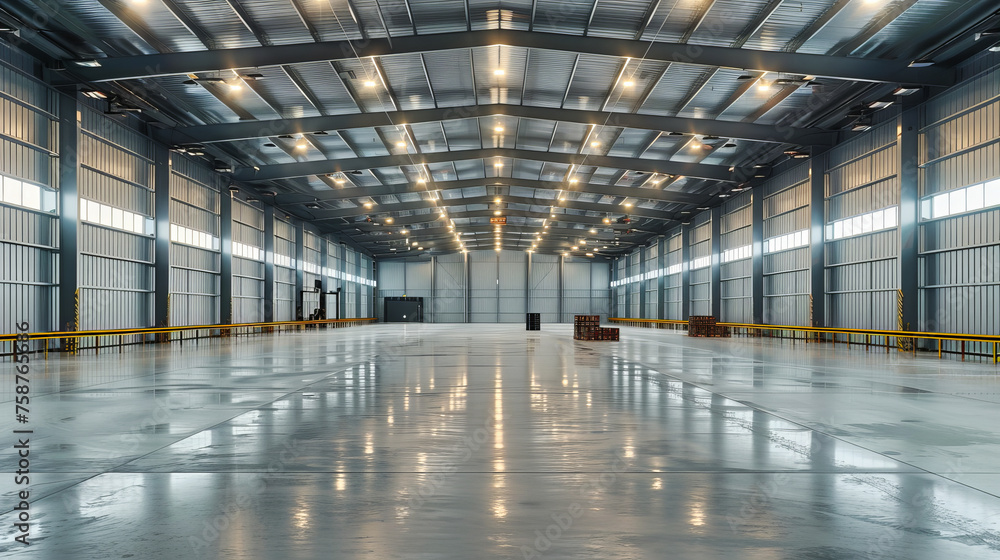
(925, 209)
(848, 227)
(11, 190)
(974, 197)
(991, 193)
(126, 220)
(857, 225)
(105, 215)
(889, 216)
(956, 201)
(940, 205)
(173, 233)
(878, 221)
(83, 210)
(188, 236)
(31, 196)
(138, 223)
(866, 223)
(116, 218)
(93, 211)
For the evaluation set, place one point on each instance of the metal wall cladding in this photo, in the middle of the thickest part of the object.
(876, 196)
(786, 209)
(449, 289)
(863, 160)
(701, 291)
(392, 278)
(284, 247)
(543, 287)
(736, 291)
(576, 288)
(248, 235)
(245, 213)
(959, 265)
(312, 242)
(483, 291)
(284, 230)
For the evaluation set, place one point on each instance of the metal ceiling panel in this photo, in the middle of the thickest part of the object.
(671, 89)
(470, 169)
(593, 79)
(722, 84)
(463, 134)
(631, 142)
(527, 169)
(278, 88)
(726, 21)
(917, 21)
(499, 131)
(372, 98)
(505, 87)
(553, 172)
(547, 77)
(565, 16)
(390, 175)
(167, 28)
(534, 134)
(93, 21)
(330, 20)
(220, 21)
(322, 80)
(748, 103)
(277, 20)
(408, 81)
(439, 16)
(842, 27)
(429, 137)
(197, 97)
(671, 20)
(790, 19)
(365, 142)
(568, 137)
(618, 18)
(335, 146)
(373, 13)
(451, 77)
(641, 74)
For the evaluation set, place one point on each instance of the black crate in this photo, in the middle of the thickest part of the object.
(533, 321)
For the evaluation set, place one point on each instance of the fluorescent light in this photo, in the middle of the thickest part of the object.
(906, 90)
(369, 83)
(878, 104)
(497, 129)
(498, 72)
(628, 83)
(90, 63)
(94, 94)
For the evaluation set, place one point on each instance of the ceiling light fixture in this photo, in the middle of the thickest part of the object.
(497, 129)
(628, 83)
(94, 94)
(369, 83)
(906, 90)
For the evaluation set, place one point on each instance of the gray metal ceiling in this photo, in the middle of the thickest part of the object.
(623, 78)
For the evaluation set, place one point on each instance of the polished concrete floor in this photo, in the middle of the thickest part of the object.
(486, 441)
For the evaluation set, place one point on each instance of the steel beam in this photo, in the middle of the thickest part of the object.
(224, 132)
(839, 67)
(382, 209)
(406, 188)
(323, 167)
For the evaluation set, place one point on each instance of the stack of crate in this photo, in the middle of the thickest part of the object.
(588, 327)
(705, 325)
(532, 321)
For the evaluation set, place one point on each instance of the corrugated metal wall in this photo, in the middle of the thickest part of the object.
(786, 207)
(484, 271)
(959, 267)
(544, 287)
(862, 270)
(28, 238)
(621, 292)
(350, 294)
(248, 269)
(651, 284)
(284, 271)
(634, 261)
(701, 278)
(312, 267)
(115, 275)
(449, 289)
(673, 298)
(502, 290)
(735, 273)
(194, 270)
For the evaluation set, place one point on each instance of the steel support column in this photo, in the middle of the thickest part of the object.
(757, 255)
(268, 264)
(642, 282)
(299, 280)
(161, 243)
(909, 215)
(717, 262)
(226, 266)
(685, 272)
(69, 211)
(817, 241)
(661, 280)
